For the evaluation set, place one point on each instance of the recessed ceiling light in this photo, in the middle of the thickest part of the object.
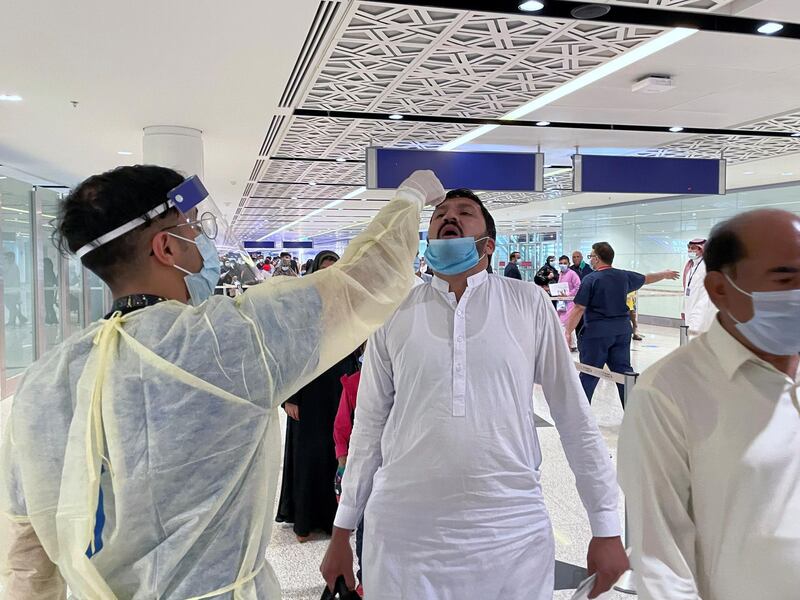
(395, 117)
(312, 183)
(542, 123)
(676, 129)
(124, 152)
(749, 172)
(294, 197)
(531, 6)
(770, 28)
(796, 134)
(787, 173)
(10, 98)
(340, 159)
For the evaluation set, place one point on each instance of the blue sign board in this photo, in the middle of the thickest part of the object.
(645, 175)
(298, 245)
(258, 245)
(387, 168)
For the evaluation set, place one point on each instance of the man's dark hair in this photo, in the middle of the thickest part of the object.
(285, 255)
(491, 229)
(604, 252)
(563, 257)
(549, 258)
(514, 255)
(104, 202)
(724, 248)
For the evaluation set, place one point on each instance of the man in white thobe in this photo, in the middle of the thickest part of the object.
(444, 459)
(709, 453)
(698, 310)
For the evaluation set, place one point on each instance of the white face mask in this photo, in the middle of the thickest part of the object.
(692, 255)
(563, 268)
(775, 326)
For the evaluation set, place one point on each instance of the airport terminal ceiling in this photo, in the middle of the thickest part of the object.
(282, 175)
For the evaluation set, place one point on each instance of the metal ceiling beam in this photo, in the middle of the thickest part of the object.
(615, 14)
(344, 114)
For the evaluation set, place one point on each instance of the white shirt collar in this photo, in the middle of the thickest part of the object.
(730, 352)
(472, 281)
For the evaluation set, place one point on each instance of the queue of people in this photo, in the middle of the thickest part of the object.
(154, 471)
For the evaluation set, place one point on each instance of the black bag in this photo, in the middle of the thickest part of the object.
(340, 592)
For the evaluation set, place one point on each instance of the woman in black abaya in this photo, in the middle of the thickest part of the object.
(309, 463)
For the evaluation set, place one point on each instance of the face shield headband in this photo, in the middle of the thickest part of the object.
(184, 197)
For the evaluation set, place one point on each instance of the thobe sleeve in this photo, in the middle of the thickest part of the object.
(583, 444)
(375, 401)
(654, 473)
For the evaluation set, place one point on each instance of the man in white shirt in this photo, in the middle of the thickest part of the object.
(444, 454)
(698, 310)
(709, 453)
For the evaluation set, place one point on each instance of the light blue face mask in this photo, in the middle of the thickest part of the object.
(201, 285)
(775, 326)
(452, 256)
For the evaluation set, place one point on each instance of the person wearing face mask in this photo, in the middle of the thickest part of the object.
(285, 268)
(709, 450)
(141, 456)
(549, 271)
(602, 301)
(563, 307)
(444, 460)
(307, 499)
(512, 268)
(698, 310)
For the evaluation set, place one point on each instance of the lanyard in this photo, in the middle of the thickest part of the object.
(691, 274)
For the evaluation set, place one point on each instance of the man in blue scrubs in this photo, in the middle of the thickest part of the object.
(601, 301)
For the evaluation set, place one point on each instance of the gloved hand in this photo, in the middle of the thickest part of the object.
(424, 185)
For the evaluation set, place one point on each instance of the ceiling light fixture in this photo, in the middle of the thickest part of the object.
(10, 98)
(676, 129)
(787, 174)
(341, 159)
(124, 153)
(312, 183)
(395, 117)
(348, 196)
(770, 28)
(531, 6)
(749, 173)
(796, 134)
(542, 123)
(625, 60)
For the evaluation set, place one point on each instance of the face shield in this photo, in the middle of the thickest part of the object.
(197, 210)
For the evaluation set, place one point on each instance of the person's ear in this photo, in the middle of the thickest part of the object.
(490, 246)
(163, 247)
(716, 288)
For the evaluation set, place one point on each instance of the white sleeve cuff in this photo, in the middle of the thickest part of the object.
(347, 517)
(411, 195)
(605, 524)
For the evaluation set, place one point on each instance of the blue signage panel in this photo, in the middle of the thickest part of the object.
(298, 245)
(258, 245)
(644, 175)
(489, 171)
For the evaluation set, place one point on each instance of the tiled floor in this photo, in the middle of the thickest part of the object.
(297, 566)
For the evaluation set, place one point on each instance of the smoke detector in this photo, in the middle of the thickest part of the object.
(653, 84)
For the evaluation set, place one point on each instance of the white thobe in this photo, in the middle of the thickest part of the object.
(709, 459)
(444, 452)
(698, 309)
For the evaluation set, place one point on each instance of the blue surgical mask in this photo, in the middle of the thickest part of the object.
(417, 264)
(775, 326)
(452, 256)
(201, 285)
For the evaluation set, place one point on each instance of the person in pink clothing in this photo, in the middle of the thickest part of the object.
(342, 429)
(571, 278)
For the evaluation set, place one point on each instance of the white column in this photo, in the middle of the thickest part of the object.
(179, 148)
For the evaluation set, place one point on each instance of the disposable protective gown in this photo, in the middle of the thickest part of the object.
(171, 412)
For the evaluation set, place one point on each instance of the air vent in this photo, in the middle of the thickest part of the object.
(272, 133)
(256, 170)
(326, 11)
(248, 189)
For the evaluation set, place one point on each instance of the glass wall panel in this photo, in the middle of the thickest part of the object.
(49, 269)
(652, 236)
(18, 275)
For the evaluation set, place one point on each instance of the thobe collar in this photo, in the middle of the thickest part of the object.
(731, 353)
(128, 304)
(472, 281)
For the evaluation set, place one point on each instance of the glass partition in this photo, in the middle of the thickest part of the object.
(652, 236)
(16, 220)
(49, 270)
